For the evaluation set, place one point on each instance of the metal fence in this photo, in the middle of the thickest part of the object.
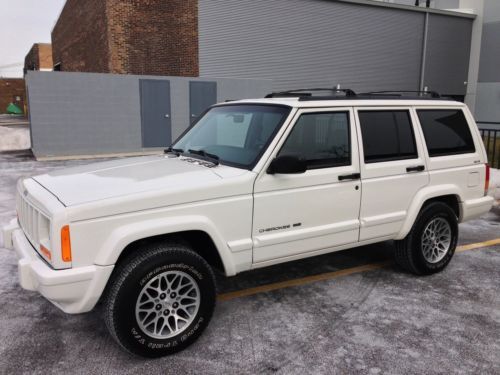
(491, 139)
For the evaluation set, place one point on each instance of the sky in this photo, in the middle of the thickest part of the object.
(23, 23)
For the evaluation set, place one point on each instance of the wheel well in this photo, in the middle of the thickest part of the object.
(199, 241)
(451, 200)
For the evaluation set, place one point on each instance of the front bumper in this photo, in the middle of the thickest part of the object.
(74, 290)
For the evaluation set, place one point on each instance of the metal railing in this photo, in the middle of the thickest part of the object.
(491, 139)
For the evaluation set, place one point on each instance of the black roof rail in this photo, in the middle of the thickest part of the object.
(432, 94)
(306, 93)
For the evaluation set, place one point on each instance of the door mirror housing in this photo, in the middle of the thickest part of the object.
(287, 164)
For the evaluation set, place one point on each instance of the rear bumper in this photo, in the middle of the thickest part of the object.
(74, 290)
(474, 208)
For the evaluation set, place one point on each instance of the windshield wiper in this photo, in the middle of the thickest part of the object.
(206, 155)
(175, 151)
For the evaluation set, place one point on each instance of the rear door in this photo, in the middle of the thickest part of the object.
(296, 214)
(393, 168)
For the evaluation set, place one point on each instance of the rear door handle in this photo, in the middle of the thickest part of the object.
(418, 168)
(354, 176)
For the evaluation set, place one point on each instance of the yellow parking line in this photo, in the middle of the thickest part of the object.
(478, 245)
(332, 275)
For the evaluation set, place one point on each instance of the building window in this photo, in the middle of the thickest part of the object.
(387, 136)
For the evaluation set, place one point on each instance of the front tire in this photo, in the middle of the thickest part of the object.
(431, 243)
(160, 300)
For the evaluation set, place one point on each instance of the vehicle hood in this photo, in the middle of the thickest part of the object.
(124, 177)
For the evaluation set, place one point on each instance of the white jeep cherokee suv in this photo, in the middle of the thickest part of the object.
(253, 183)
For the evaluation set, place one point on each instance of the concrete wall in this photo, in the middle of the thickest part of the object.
(360, 45)
(87, 113)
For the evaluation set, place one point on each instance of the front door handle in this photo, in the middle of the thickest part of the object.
(417, 168)
(354, 176)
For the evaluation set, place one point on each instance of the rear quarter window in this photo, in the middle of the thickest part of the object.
(446, 132)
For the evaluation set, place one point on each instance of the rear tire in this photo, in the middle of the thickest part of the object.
(431, 243)
(160, 300)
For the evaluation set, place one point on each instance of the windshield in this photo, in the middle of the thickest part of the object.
(235, 134)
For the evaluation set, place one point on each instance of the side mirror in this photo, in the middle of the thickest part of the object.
(287, 164)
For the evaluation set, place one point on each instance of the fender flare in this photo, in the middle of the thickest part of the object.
(419, 200)
(123, 236)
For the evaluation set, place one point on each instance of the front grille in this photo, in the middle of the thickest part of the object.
(31, 220)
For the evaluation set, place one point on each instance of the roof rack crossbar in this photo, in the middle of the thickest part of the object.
(433, 94)
(308, 92)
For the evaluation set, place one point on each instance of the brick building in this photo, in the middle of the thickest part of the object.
(12, 90)
(39, 57)
(155, 37)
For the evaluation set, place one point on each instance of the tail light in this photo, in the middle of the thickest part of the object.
(65, 244)
(487, 180)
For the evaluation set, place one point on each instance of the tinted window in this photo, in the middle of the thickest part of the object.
(320, 138)
(387, 135)
(237, 134)
(446, 132)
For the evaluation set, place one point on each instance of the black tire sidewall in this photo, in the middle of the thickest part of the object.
(127, 328)
(429, 214)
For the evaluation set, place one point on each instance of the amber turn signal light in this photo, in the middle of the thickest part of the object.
(65, 244)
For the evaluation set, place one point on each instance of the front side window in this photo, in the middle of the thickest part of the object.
(236, 134)
(322, 139)
(387, 136)
(446, 132)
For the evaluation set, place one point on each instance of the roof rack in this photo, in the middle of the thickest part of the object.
(307, 93)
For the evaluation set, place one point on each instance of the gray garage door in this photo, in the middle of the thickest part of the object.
(201, 96)
(156, 121)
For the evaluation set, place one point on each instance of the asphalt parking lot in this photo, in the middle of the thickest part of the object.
(361, 315)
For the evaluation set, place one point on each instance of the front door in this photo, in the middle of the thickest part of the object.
(156, 122)
(295, 214)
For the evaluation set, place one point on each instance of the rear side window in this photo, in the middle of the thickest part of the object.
(446, 132)
(387, 135)
(322, 139)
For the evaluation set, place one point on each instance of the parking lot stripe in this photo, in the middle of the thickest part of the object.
(301, 281)
(332, 275)
(478, 245)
